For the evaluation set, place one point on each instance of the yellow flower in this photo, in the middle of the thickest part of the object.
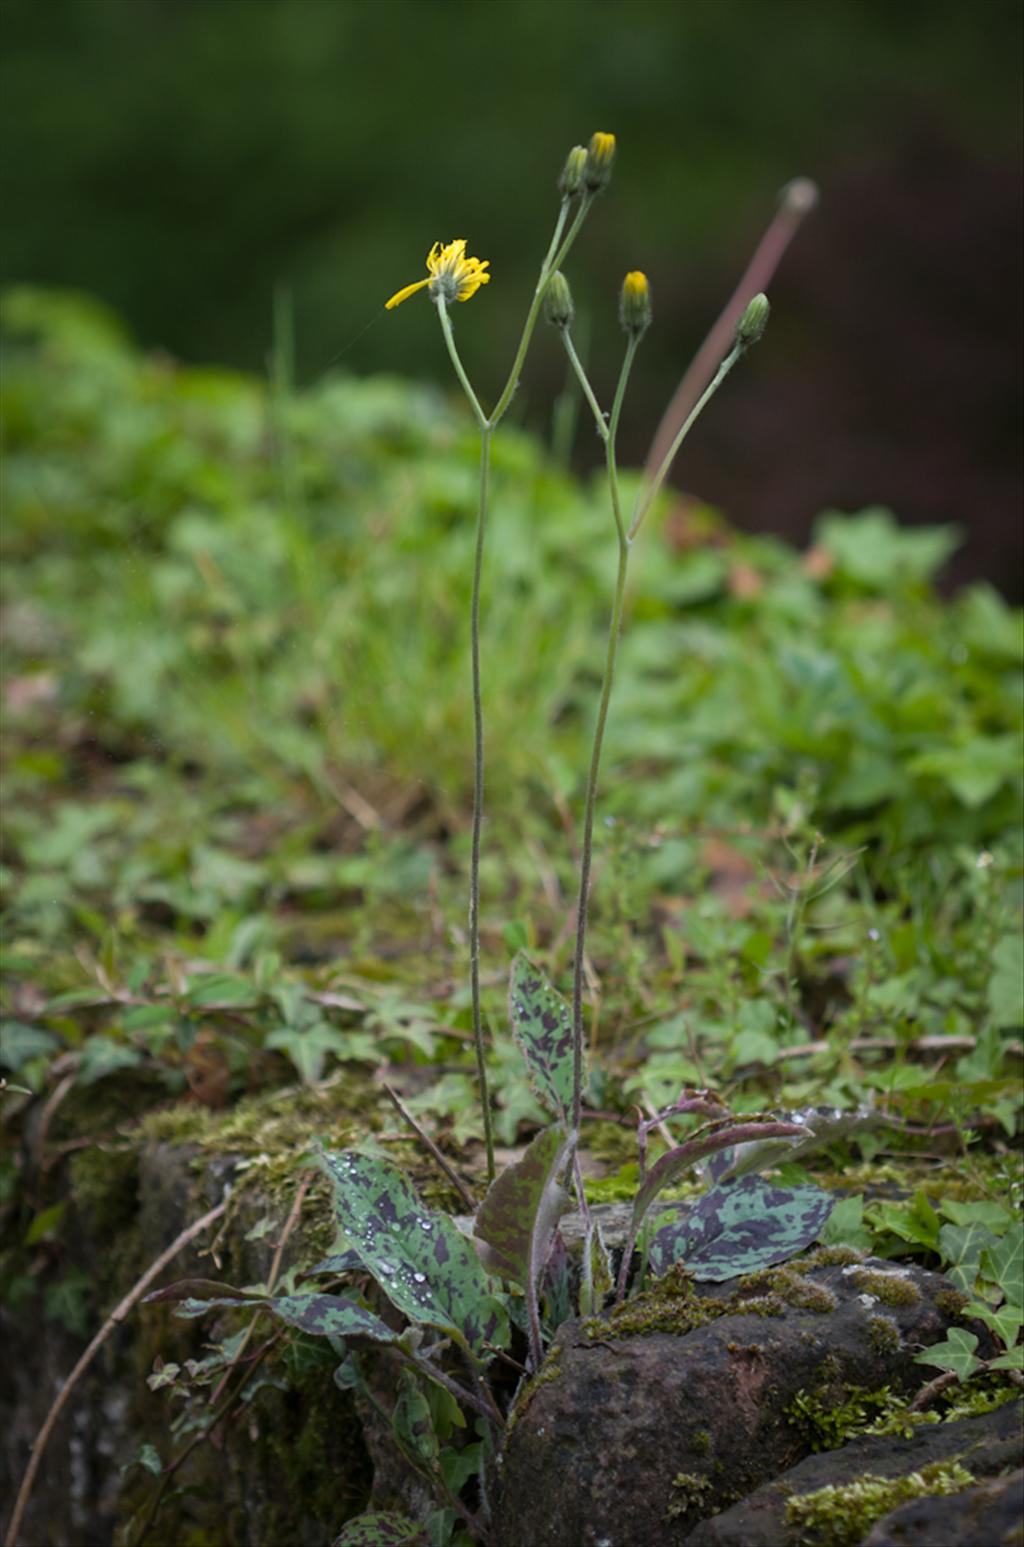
(452, 275)
(600, 156)
(635, 303)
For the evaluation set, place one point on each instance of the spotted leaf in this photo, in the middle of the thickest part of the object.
(542, 1027)
(381, 1530)
(320, 1315)
(741, 1228)
(518, 1217)
(424, 1264)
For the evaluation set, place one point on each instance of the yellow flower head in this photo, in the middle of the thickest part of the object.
(600, 156)
(452, 276)
(635, 303)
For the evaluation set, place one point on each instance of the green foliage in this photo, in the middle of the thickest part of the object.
(741, 1228)
(542, 1026)
(424, 1264)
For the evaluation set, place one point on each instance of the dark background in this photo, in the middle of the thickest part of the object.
(182, 158)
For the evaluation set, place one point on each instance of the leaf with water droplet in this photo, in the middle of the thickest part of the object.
(542, 1027)
(398, 1239)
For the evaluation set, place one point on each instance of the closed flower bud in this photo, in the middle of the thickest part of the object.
(752, 324)
(558, 307)
(571, 180)
(635, 304)
(600, 156)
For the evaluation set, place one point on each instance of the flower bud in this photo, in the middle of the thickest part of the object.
(600, 155)
(558, 308)
(752, 324)
(635, 304)
(571, 179)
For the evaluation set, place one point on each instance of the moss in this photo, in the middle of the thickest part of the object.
(951, 1301)
(672, 1306)
(825, 1423)
(700, 1441)
(691, 1492)
(550, 1370)
(842, 1517)
(830, 1257)
(789, 1285)
(884, 1335)
(892, 1286)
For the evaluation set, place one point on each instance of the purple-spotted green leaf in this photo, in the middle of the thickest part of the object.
(203, 1289)
(672, 1166)
(956, 1353)
(381, 1530)
(413, 1424)
(518, 1217)
(741, 1228)
(542, 1028)
(319, 1315)
(424, 1264)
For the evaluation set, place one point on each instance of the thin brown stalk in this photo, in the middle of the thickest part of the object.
(115, 1318)
(431, 1148)
(798, 199)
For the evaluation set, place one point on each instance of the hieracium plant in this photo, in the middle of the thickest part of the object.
(470, 1295)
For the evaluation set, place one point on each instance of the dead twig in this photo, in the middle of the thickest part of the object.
(432, 1149)
(115, 1318)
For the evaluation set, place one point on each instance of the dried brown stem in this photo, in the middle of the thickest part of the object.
(431, 1148)
(115, 1318)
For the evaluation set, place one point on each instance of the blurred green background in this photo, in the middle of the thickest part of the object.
(182, 158)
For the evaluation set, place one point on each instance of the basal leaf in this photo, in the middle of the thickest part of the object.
(542, 1027)
(424, 1264)
(956, 1353)
(381, 1530)
(517, 1219)
(821, 1126)
(319, 1315)
(741, 1228)
(412, 1423)
(672, 1166)
(331, 1316)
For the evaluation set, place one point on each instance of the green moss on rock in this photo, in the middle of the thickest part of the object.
(842, 1516)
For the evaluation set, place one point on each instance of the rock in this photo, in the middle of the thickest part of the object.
(985, 1445)
(987, 1516)
(645, 1421)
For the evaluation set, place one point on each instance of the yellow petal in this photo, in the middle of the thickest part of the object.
(403, 295)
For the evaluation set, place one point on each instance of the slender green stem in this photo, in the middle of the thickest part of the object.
(614, 630)
(478, 796)
(647, 496)
(478, 734)
(554, 258)
(588, 391)
(460, 370)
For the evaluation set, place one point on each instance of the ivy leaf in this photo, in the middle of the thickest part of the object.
(1004, 1264)
(308, 1047)
(423, 1263)
(845, 1225)
(381, 1530)
(742, 1228)
(542, 1028)
(1005, 1322)
(1013, 1359)
(956, 1353)
(961, 1247)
